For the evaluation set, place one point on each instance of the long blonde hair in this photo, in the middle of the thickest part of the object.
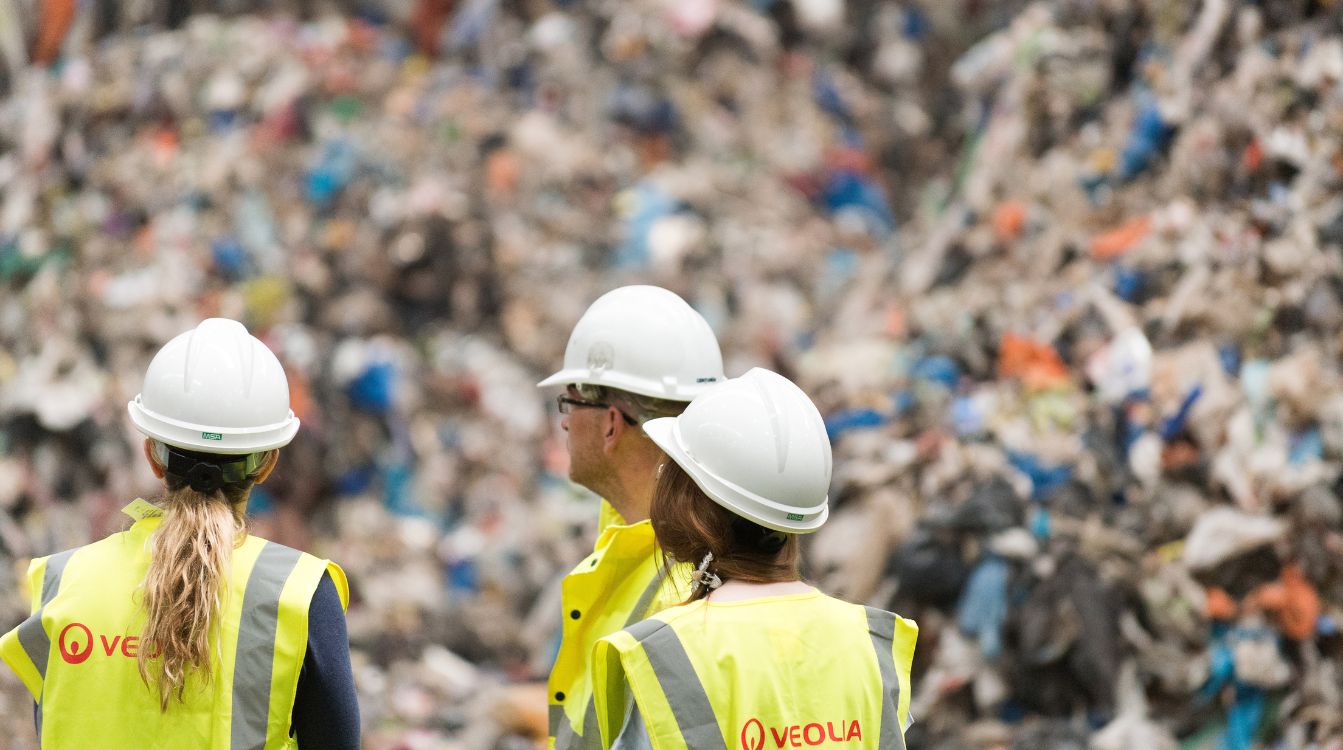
(190, 554)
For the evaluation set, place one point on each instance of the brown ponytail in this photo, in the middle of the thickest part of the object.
(689, 525)
(184, 588)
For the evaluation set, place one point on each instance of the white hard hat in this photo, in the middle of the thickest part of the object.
(216, 389)
(645, 340)
(757, 446)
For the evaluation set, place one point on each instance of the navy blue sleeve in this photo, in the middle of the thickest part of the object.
(326, 708)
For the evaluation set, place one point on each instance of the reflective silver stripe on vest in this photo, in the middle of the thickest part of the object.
(640, 610)
(881, 626)
(685, 693)
(566, 737)
(32, 636)
(255, 655)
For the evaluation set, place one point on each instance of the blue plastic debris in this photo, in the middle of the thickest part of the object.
(983, 605)
(463, 576)
(1041, 523)
(398, 490)
(828, 98)
(1229, 356)
(1242, 721)
(356, 479)
(968, 416)
(373, 390)
(1043, 478)
(1307, 445)
(1128, 283)
(1174, 424)
(260, 502)
(850, 420)
(334, 170)
(648, 203)
(916, 23)
(1149, 136)
(470, 20)
(938, 369)
(848, 190)
(644, 110)
(230, 259)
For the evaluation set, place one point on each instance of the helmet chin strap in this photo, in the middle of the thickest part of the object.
(760, 538)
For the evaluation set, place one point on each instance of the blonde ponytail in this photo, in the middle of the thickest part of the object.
(183, 591)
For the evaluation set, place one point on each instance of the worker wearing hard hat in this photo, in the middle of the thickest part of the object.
(185, 631)
(756, 658)
(638, 353)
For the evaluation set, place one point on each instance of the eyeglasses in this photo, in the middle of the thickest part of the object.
(566, 403)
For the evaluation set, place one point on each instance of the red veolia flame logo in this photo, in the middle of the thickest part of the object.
(753, 735)
(71, 652)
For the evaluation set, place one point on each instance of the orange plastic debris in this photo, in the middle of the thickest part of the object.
(1009, 218)
(54, 20)
(1219, 605)
(1037, 365)
(300, 397)
(1178, 455)
(501, 172)
(849, 159)
(1114, 243)
(1292, 600)
(1297, 619)
(1253, 156)
(1271, 597)
(895, 322)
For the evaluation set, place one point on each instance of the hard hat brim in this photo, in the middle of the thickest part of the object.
(666, 433)
(227, 441)
(618, 381)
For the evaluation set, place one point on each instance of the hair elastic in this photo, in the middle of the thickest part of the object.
(703, 577)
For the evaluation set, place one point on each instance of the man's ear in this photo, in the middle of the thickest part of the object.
(154, 466)
(615, 427)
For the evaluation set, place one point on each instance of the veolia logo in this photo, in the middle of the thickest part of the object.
(753, 735)
(69, 645)
(76, 649)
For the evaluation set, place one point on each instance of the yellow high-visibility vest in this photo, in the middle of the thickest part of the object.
(620, 583)
(77, 652)
(802, 670)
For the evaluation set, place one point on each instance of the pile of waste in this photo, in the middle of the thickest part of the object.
(1064, 278)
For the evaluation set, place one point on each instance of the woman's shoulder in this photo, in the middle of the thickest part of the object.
(282, 566)
(639, 632)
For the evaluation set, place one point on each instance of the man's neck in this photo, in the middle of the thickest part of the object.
(629, 508)
(634, 474)
(631, 494)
